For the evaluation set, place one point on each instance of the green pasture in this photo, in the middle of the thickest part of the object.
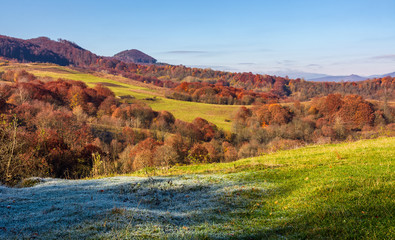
(337, 191)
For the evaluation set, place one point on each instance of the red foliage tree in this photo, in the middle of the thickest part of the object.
(356, 112)
(142, 155)
(207, 129)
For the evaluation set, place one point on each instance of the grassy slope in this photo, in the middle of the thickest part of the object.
(186, 111)
(339, 191)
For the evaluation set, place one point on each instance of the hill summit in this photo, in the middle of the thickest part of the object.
(134, 56)
(61, 52)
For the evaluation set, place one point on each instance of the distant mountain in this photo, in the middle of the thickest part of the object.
(134, 56)
(296, 74)
(317, 77)
(383, 75)
(350, 78)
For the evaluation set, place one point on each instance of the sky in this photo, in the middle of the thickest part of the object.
(263, 36)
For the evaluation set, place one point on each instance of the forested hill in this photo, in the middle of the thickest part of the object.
(61, 52)
(214, 87)
(134, 56)
(75, 54)
(26, 51)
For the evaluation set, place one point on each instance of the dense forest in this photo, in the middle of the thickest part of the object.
(65, 129)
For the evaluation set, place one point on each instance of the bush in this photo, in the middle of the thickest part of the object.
(198, 154)
(230, 153)
(283, 144)
(165, 156)
(248, 150)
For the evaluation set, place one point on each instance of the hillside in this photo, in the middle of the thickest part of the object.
(134, 56)
(75, 54)
(54, 118)
(61, 52)
(24, 50)
(317, 192)
(64, 52)
(147, 93)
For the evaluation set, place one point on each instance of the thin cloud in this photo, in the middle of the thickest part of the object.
(186, 52)
(385, 57)
(286, 62)
(247, 64)
(264, 50)
(313, 65)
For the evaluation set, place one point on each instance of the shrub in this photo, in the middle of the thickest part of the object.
(230, 153)
(142, 155)
(165, 156)
(283, 144)
(248, 150)
(198, 154)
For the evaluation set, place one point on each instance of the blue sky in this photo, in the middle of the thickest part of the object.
(331, 37)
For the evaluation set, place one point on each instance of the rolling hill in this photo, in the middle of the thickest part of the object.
(147, 93)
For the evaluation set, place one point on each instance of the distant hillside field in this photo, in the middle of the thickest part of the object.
(220, 115)
(338, 191)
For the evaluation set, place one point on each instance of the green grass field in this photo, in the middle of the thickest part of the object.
(186, 111)
(337, 191)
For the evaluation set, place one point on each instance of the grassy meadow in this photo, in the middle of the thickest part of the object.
(337, 191)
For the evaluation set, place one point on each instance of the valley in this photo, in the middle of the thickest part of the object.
(124, 147)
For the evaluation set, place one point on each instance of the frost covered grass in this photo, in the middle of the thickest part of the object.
(338, 191)
(121, 207)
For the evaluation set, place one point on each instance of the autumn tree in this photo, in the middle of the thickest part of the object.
(142, 155)
(164, 121)
(198, 154)
(356, 112)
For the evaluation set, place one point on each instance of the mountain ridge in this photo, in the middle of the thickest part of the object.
(318, 77)
(61, 52)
